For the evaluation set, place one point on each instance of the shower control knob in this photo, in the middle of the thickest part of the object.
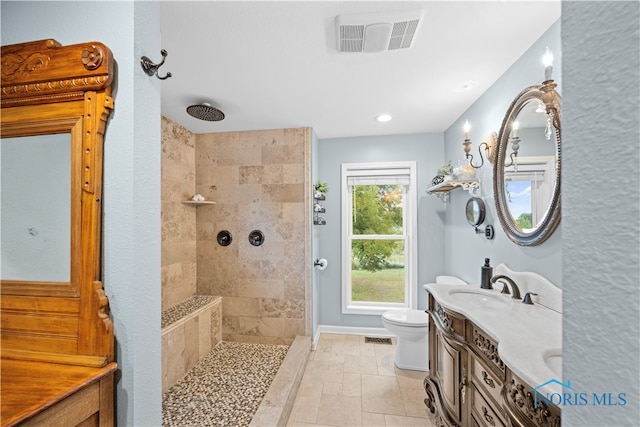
(256, 238)
(224, 238)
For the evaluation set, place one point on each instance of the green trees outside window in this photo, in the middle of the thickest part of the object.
(378, 244)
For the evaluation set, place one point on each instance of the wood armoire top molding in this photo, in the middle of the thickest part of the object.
(45, 71)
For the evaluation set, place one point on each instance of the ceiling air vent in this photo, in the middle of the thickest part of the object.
(376, 32)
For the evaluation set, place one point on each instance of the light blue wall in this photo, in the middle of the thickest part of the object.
(601, 233)
(427, 151)
(464, 250)
(315, 250)
(131, 224)
(447, 244)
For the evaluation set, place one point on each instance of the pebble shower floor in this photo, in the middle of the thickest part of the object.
(225, 388)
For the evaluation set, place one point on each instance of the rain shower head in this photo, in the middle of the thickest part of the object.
(206, 112)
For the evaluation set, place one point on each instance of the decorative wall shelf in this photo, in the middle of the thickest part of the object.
(318, 209)
(443, 189)
(194, 203)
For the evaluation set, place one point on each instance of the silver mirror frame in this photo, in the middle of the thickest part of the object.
(551, 219)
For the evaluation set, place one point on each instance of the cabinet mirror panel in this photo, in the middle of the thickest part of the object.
(35, 208)
(527, 168)
(55, 104)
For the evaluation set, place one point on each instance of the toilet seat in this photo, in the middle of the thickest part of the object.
(407, 317)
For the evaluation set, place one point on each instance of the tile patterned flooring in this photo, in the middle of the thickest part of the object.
(348, 382)
(225, 388)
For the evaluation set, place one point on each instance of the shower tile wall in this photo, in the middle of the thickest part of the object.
(259, 180)
(178, 220)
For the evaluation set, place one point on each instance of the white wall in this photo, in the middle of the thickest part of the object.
(131, 225)
(601, 233)
(465, 251)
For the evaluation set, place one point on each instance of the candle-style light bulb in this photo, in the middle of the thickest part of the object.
(466, 129)
(514, 129)
(547, 60)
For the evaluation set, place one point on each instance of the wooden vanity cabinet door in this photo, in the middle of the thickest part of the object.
(451, 375)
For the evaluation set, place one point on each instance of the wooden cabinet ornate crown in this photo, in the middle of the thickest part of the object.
(57, 342)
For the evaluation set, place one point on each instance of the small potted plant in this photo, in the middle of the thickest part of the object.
(444, 174)
(320, 188)
(446, 170)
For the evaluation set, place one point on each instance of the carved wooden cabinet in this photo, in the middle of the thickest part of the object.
(469, 385)
(520, 407)
(487, 380)
(56, 333)
(446, 384)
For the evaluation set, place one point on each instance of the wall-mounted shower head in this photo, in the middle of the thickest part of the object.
(206, 112)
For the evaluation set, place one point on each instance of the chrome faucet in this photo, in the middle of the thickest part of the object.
(505, 288)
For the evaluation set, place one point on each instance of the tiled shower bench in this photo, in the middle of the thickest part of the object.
(190, 330)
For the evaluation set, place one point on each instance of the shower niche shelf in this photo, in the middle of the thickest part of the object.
(194, 203)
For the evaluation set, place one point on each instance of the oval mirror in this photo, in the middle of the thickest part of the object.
(475, 211)
(526, 173)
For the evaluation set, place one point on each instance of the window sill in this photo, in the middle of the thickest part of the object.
(371, 310)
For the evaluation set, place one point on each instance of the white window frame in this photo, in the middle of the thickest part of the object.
(534, 169)
(410, 235)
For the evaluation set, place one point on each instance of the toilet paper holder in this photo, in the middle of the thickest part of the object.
(321, 263)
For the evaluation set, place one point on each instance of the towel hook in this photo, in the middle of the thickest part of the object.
(152, 69)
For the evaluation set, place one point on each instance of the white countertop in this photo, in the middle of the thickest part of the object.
(525, 333)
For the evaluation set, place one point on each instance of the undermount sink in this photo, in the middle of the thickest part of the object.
(553, 360)
(479, 298)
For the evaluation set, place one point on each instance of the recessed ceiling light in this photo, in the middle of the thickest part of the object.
(383, 118)
(466, 85)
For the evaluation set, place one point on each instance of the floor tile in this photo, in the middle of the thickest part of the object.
(340, 410)
(381, 395)
(398, 421)
(373, 420)
(386, 364)
(413, 403)
(360, 365)
(348, 382)
(324, 371)
(351, 384)
(410, 379)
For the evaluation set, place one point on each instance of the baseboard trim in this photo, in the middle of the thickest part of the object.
(349, 330)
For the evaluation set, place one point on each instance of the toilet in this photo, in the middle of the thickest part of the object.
(411, 327)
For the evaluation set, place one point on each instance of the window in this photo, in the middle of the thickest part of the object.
(379, 242)
(529, 189)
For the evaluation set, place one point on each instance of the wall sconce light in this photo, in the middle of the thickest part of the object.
(489, 146)
(550, 97)
(515, 145)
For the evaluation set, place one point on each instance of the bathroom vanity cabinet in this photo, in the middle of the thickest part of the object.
(469, 384)
(447, 365)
